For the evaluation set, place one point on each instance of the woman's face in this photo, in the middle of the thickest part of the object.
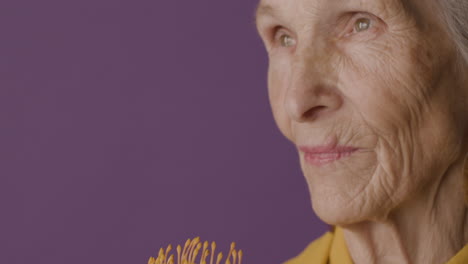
(370, 86)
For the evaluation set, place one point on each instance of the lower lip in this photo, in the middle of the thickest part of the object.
(323, 158)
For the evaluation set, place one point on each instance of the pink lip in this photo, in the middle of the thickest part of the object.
(321, 155)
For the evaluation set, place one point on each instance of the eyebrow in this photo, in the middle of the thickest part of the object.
(263, 10)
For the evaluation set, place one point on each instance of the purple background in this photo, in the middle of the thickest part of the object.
(127, 125)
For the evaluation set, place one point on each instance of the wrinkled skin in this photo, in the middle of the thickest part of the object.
(394, 91)
(389, 91)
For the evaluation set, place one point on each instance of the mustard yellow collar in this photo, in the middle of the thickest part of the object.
(331, 249)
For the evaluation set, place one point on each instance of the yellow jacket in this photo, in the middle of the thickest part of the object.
(331, 249)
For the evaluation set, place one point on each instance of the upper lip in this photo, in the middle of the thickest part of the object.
(318, 149)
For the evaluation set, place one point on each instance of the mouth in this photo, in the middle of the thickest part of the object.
(321, 155)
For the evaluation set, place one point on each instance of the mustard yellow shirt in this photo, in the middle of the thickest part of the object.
(331, 249)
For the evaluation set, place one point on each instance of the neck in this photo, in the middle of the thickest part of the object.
(429, 229)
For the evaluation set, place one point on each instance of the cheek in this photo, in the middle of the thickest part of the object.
(389, 89)
(277, 83)
(397, 89)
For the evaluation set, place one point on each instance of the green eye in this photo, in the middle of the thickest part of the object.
(286, 41)
(362, 24)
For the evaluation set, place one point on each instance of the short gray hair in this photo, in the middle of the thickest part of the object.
(455, 14)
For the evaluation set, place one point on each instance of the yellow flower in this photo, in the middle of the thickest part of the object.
(189, 253)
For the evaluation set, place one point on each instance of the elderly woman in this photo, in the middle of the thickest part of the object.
(374, 94)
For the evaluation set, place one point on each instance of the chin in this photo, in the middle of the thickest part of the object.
(340, 210)
(332, 214)
(344, 193)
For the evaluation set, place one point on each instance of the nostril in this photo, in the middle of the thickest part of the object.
(314, 111)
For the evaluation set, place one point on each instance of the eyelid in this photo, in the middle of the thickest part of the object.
(274, 33)
(277, 33)
(374, 27)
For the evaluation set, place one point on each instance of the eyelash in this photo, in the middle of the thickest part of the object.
(278, 34)
(278, 31)
(356, 19)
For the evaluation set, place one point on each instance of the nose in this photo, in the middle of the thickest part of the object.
(312, 91)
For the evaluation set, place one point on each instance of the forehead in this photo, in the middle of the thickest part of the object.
(320, 4)
(297, 8)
